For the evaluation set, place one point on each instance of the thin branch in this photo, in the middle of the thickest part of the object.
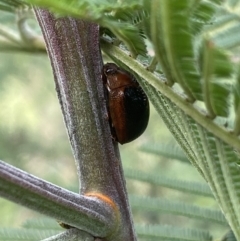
(71, 208)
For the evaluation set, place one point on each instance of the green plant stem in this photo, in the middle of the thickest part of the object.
(78, 211)
(184, 105)
(73, 48)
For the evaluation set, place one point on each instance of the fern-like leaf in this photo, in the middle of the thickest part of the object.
(25, 234)
(109, 14)
(159, 205)
(166, 150)
(176, 184)
(236, 94)
(170, 31)
(171, 233)
(217, 71)
(201, 14)
(224, 31)
(10, 6)
(42, 223)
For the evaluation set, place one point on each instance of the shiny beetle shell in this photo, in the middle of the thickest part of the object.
(128, 105)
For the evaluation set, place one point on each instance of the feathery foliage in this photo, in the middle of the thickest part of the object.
(166, 150)
(176, 184)
(171, 233)
(112, 15)
(196, 46)
(158, 205)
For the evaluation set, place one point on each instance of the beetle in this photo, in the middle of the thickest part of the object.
(127, 104)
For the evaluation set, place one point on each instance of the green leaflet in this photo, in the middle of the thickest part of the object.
(167, 150)
(170, 33)
(10, 6)
(201, 14)
(236, 94)
(160, 205)
(224, 27)
(188, 187)
(216, 72)
(108, 14)
(220, 167)
(170, 233)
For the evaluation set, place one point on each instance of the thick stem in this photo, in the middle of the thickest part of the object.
(73, 48)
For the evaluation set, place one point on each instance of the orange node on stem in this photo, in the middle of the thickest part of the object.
(103, 198)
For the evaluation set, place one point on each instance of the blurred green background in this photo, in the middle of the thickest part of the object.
(33, 137)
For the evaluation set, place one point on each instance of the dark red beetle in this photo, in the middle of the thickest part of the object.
(128, 105)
